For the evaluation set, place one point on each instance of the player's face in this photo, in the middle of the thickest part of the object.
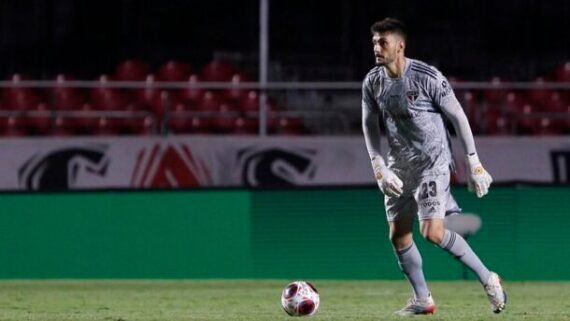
(387, 46)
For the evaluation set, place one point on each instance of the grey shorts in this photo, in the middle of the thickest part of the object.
(427, 197)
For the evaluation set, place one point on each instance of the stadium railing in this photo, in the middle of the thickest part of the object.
(316, 104)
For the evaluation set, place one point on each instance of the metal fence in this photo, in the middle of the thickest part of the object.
(325, 108)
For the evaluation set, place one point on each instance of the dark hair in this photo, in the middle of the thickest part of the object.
(389, 25)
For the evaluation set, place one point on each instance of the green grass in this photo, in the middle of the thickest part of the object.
(260, 300)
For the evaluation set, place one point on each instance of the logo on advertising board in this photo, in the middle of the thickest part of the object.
(61, 169)
(169, 166)
(560, 160)
(276, 167)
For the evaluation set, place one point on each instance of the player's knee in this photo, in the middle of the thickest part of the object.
(401, 241)
(432, 233)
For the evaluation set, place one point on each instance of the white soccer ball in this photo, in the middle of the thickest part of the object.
(300, 299)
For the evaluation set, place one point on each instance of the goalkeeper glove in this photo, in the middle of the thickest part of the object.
(389, 183)
(478, 179)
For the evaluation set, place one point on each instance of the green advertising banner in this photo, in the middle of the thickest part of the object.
(125, 235)
(306, 233)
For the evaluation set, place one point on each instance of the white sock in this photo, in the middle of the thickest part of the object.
(410, 262)
(458, 247)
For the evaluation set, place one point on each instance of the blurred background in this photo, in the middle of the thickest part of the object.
(215, 41)
(200, 132)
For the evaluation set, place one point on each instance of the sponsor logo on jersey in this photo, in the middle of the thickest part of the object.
(412, 95)
(431, 203)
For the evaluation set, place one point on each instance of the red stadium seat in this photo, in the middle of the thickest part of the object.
(20, 98)
(86, 123)
(489, 120)
(106, 98)
(194, 125)
(246, 126)
(200, 125)
(40, 122)
(494, 98)
(562, 73)
(210, 101)
(290, 126)
(236, 94)
(163, 104)
(499, 126)
(250, 103)
(218, 71)
(514, 102)
(538, 95)
(110, 99)
(527, 123)
(178, 119)
(179, 124)
(144, 126)
(554, 103)
(12, 127)
(174, 71)
(224, 121)
(133, 123)
(66, 98)
(149, 95)
(63, 127)
(132, 70)
(547, 128)
(191, 95)
(108, 126)
(181, 107)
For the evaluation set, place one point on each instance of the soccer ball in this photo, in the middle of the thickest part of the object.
(300, 299)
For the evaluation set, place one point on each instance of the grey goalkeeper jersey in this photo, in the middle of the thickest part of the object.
(412, 109)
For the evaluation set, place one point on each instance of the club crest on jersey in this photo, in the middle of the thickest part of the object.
(412, 95)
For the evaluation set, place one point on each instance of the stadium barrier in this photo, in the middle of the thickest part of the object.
(337, 233)
(188, 161)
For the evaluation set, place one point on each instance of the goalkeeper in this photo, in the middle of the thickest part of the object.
(412, 99)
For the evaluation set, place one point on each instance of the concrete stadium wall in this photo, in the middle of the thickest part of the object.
(293, 234)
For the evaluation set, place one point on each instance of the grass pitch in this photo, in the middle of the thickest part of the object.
(260, 300)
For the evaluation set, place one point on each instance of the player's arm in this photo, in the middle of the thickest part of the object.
(388, 182)
(479, 179)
